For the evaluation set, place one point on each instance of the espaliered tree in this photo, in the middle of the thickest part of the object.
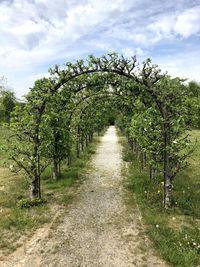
(26, 139)
(129, 81)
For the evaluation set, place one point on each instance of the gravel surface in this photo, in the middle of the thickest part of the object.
(98, 229)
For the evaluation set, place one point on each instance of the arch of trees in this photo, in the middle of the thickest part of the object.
(77, 100)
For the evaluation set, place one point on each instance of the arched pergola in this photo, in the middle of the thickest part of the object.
(148, 78)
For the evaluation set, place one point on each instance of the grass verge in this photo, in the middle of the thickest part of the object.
(174, 232)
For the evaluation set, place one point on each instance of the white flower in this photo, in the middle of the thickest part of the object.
(11, 167)
(157, 226)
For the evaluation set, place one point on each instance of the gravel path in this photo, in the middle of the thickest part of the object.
(99, 229)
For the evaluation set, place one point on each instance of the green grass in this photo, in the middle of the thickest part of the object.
(15, 222)
(174, 232)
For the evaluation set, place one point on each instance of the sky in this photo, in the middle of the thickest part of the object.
(37, 34)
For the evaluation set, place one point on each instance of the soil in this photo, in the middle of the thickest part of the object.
(99, 228)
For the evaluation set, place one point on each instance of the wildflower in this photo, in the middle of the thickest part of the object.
(194, 244)
(162, 183)
(11, 167)
(173, 218)
(186, 236)
(158, 191)
(157, 225)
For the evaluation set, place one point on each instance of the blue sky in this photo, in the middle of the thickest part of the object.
(36, 34)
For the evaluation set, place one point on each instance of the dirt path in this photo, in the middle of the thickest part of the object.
(98, 228)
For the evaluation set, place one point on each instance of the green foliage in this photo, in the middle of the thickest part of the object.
(27, 203)
(193, 104)
(7, 101)
(65, 111)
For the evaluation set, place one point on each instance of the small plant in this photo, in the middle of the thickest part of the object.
(25, 203)
(128, 155)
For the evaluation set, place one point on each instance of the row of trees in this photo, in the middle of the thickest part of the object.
(64, 111)
(49, 128)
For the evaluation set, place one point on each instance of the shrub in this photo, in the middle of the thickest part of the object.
(27, 203)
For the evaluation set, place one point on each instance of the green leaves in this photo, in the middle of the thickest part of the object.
(65, 110)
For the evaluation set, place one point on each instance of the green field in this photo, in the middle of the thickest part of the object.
(175, 232)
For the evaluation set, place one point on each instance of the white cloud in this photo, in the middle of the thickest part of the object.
(184, 65)
(27, 82)
(185, 24)
(129, 52)
(36, 34)
(188, 22)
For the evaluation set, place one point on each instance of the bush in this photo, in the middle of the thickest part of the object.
(27, 203)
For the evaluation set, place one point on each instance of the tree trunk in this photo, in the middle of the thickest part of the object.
(145, 159)
(78, 142)
(142, 159)
(69, 160)
(86, 141)
(59, 168)
(82, 145)
(56, 174)
(35, 189)
(91, 137)
(78, 149)
(166, 172)
(152, 174)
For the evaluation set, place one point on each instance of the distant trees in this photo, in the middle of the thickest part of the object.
(193, 104)
(7, 101)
